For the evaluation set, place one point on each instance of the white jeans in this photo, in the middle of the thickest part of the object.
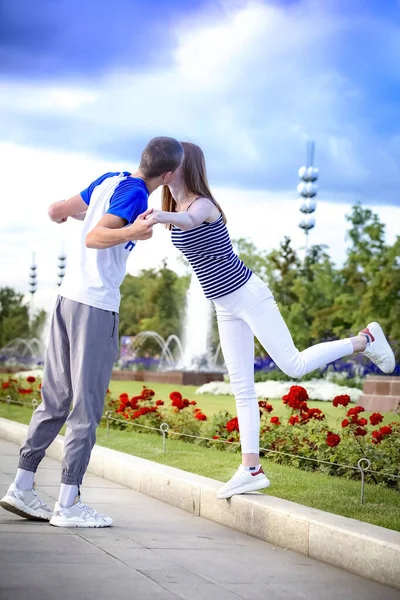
(252, 311)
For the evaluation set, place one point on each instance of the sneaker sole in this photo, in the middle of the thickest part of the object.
(245, 489)
(389, 350)
(67, 524)
(21, 513)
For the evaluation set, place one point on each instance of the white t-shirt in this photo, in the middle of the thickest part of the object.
(94, 277)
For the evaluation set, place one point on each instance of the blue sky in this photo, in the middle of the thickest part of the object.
(248, 80)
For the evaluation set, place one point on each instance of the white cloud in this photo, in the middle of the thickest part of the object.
(36, 178)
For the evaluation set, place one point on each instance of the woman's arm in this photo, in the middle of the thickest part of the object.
(199, 212)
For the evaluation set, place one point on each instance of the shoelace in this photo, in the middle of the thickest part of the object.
(88, 509)
(42, 504)
(374, 356)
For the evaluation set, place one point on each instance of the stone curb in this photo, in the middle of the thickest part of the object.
(367, 550)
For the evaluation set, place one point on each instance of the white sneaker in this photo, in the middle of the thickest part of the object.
(378, 350)
(244, 481)
(26, 503)
(78, 515)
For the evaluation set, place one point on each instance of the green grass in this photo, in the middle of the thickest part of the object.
(335, 495)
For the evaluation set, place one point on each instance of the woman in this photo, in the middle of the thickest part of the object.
(245, 308)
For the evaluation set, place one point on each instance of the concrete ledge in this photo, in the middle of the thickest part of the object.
(366, 550)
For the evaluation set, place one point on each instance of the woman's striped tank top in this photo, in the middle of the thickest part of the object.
(208, 248)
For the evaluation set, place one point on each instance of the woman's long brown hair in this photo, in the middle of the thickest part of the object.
(194, 177)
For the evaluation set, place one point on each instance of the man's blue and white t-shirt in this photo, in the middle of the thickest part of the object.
(94, 277)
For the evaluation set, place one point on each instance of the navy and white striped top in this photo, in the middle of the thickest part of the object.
(208, 248)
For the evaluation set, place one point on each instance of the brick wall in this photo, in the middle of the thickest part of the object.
(381, 394)
(171, 377)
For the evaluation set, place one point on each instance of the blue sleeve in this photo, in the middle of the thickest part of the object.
(128, 201)
(87, 193)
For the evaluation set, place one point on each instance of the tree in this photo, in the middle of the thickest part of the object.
(154, 300)
(14, 317)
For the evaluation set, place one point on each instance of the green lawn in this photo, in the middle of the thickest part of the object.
(336, 495)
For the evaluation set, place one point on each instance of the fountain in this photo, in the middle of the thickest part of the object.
(197, 329)
(192, 363)
(21, 352)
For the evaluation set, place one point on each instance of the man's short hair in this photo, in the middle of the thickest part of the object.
(162, 154)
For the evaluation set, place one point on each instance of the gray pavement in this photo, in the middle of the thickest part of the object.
(153, 551)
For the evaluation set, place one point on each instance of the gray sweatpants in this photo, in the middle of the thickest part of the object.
(82, 348)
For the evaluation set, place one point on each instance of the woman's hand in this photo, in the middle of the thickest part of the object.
(158, 216)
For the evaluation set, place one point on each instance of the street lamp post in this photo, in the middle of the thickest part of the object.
(61, 266)
(307, 188)
(32, 283)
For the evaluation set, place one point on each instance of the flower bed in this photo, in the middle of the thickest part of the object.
(301, 438)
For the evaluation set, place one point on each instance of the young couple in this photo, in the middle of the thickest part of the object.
(83, 341)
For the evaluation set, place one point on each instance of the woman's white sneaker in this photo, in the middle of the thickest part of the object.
(378, 349)
(244, 482)
(78, 515)
(26, 503)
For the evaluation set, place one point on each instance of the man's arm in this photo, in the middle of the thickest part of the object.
(60, 211)
(110, 231)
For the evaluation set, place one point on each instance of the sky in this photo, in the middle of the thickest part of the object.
(85, 84)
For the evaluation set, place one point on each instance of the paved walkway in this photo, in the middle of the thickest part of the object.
(153, 551)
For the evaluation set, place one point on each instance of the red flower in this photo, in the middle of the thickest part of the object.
(362, 422)
(275, 421)
(124, 396)
(345, 423)
(376, 418)
(147, 393)
(31, 379)
(5, 385)
(265, 406)
(215, 437)
(193, 403)
(159, 403)
(293, 420)
(134, 401)
(201, 417)
(356, 410)
(40, 386)
(386, 430)
(232, 425)
(332, 439)
(296, 398)
(381, 433)
(360, 431)
(178, 401)
(231, 439)
(299, 392)
(342, 400)
(316, 413)
(143, 411)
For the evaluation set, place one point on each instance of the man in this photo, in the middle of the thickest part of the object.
(83, 339)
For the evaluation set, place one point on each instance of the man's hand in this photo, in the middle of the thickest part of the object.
(142, 227)
(157, 216)
(60, 211)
